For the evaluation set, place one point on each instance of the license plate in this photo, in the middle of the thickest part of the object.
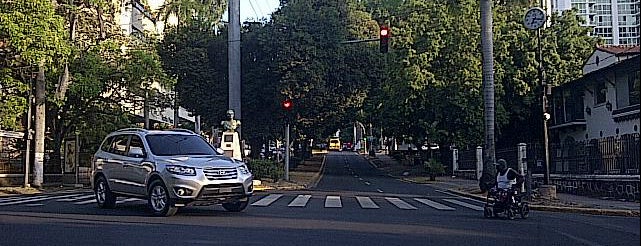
(225, 190)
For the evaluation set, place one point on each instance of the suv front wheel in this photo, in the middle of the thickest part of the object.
(104, 197)
(159, 201)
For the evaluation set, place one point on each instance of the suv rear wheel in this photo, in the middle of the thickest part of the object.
(159, 201)
(104, 197)
(235, 206)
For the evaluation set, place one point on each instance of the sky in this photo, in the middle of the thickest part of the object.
(261, 8)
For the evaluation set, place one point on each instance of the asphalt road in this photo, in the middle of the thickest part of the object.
(353, 204)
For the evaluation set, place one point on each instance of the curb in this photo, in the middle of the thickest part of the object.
(319, 175)
(593, 211)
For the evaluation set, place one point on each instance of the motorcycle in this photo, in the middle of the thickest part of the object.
(505, 201)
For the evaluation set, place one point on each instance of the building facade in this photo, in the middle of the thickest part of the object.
(615, 21)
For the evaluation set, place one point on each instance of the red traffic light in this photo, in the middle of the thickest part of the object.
(287, 104)
(384, 31)
(384, 39)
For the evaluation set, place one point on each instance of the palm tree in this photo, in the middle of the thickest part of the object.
(487, 47)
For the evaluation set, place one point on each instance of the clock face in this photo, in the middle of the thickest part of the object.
(534, 18)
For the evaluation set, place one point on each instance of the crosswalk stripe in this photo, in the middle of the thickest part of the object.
(399, 203)
(366, 202)
(333, 202)
(267, 200)
(85, 202)
(13, 199)
(467, 205)
(300, 201)
(128, 200)
(75, 198)
(43, 198)
(434, 204)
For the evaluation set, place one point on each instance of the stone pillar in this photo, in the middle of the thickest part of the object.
(522, 162)
(479, 162)
(454, 160)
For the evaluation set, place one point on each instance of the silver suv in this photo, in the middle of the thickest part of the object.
(170, 169)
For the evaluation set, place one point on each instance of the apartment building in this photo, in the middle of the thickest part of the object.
(615, 21)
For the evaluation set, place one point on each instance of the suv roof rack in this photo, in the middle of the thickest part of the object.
(180, 130)
(132, 129)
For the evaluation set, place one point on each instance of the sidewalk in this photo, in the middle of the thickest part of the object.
(470, 188)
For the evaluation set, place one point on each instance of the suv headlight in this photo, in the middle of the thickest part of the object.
(180, 170)
(243, 169)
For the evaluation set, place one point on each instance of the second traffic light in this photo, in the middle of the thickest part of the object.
(287, 105)
(384, 39)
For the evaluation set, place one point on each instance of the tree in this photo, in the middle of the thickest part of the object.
(33, 37)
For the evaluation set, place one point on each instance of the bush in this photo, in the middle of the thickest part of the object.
(266, 169)
(434, 168)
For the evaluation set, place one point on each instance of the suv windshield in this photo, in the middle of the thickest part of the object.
(172, 144)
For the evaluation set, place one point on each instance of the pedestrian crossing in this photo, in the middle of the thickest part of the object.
(83, 197)
(291, 200)
(365, 202)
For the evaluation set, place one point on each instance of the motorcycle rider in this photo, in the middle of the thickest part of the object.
(507, 178)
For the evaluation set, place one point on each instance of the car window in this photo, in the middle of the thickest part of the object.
(174, 144)
(106, 146)
(136, 142)
(119, 145)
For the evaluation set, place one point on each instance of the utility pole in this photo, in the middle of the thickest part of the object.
(234, 58)
(287, 152)
(38, 165)
(29, 137)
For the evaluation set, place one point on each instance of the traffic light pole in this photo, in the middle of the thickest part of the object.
(287, 152)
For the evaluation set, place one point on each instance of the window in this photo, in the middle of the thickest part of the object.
(174, 144)
(136, 143)
(600, 93)
(633, 88)
(106, 146)
(119, 145)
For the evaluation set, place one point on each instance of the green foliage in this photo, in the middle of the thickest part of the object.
(434, 167)
(30, 32)
(269, 169)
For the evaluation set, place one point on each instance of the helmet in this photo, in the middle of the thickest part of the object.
(501, 164)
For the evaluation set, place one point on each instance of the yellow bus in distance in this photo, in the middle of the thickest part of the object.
(334, 143)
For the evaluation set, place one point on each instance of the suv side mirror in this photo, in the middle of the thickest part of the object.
(136, 152)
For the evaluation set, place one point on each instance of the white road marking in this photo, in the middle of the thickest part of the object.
(366, 202)
(379, 190)
(129, 200)
(333, 202)
(399, 203)
(75, 198)
(300, 201)
(467, 205)
(35, 199)
(434, 204)
(85, 202)
(367, 183)
(268, 200)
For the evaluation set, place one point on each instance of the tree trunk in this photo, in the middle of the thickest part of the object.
(63, 83)
(103, 34)
(38, 165)
(487, 47)
(146, 111)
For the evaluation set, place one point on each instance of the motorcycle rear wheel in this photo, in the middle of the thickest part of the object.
(524, 210)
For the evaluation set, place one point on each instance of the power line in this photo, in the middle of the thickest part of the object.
(252, 5)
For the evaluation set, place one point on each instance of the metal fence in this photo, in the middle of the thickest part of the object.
(11, 153)
(467, 160)
(616, 155)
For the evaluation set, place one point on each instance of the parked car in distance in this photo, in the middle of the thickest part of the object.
(168, 168)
